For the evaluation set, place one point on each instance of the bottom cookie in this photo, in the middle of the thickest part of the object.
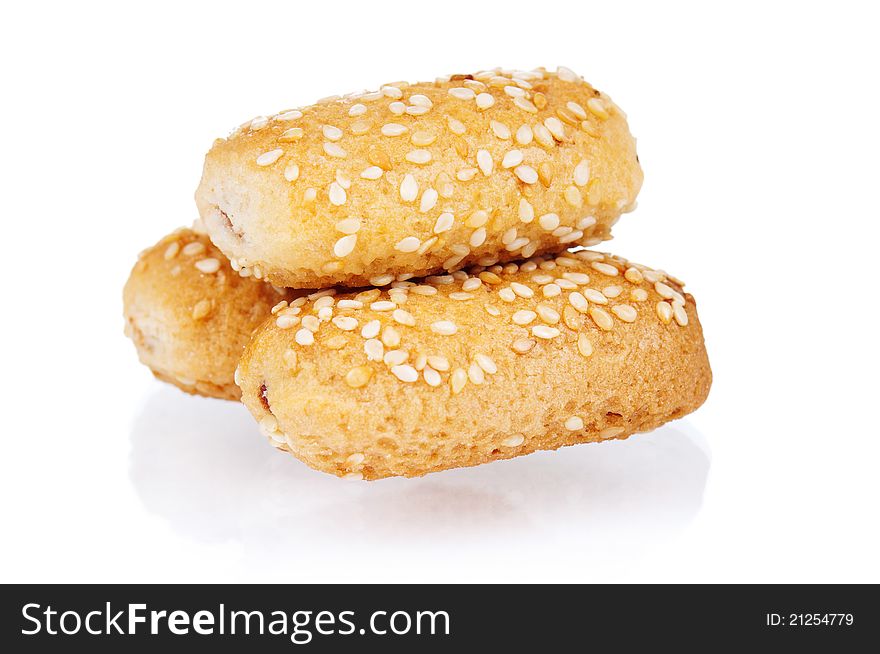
(472, 367)
(190, 315)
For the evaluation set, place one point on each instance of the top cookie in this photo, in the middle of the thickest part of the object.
(416, 179)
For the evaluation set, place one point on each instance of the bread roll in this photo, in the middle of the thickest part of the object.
(190, 315)
(476, 366)
(417, 179)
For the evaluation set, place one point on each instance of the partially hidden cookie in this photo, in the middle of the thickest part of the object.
(417, 179)
(190, 315)
(476, 366)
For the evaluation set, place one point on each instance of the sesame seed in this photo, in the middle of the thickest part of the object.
(438, 362)
(286, 321)
(611, 432)
(595, 296)
(601, 318)
(543, 331)
(383, 305)
(403, 317)
(512, 159)
(515, 92)
(345, 245)
(292, 134)
(371, 329)
(548, 314)
(664, 312)
(476, 374)
(312, 323)
(578, 278)
(393, 129)
(543, 136)
(374, 349)
(665, 291)
(485, 100)
(373, 172)
(522, 345)
(551, 290)
(416, 110)
(420, 100)
(409, 188)
(201, 309)
(584, 346)
(360, 127)
(604, 268)
(397, 108)
(391, 92)
(638, 295)
(348, 225)
(293, 114)
(500, 130)
(360, 109)
(582, 173)
(337, 194)
(490, 278)
(549, 221)
(574, 423)
(456, 126)
(420, 157)
(507, 294)
(523, 317)
(442, 280)
(350, 304)
(390, 336)
(526, 174)
(171, 251)
(680, 314)
(578, 301)
(513, 441)
(555, 127)
(651, 275)
(509, 236)
(525, 104)
(471, 284)
(466, 174)
(444, 327)
(478, 237)
(597, 107)
(625, 312)
(484, 161)
(333, 150)
(457, 380)
(612, 291)
(209, 265)
(304, 337)
(408, 244)
(345, 323)
(395, 357)
(270, 157)
(331, 133)
(461, 93)
(291, 173)
(353, 476)
(432, 377)
(405, 373)
(573, 196)
(566, 74)
(524, 135)
(522, 290)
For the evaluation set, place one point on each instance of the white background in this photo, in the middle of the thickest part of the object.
(758, 133)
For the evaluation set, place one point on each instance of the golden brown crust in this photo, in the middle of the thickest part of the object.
(190, 315)
(477, 366)
(481, 168)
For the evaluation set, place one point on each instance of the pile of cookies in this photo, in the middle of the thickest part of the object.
(396, 282)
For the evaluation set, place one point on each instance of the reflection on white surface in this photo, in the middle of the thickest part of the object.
(202, 465)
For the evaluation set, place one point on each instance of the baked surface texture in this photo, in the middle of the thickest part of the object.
(415, 179)
(190, 315)
(476, 366)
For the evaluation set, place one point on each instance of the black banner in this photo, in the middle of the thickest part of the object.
(435, 618)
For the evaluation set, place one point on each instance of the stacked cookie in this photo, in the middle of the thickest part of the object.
(453, 316)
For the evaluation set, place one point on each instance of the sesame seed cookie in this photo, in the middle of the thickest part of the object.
(478, 365)
(418, 179)
(190, 315)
